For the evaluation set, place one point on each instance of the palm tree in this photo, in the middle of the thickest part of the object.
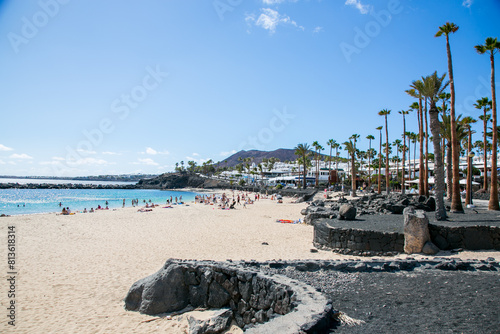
(491, 46)
(467, 121)
(397, 143)
(318, 148)
(484, 104)
(370, 138)
(408, 135)
(416, 91)
(350, 147)
(337, 148)
(414, 139)
(426, 133)
(385, 112)
(444, 97)
(361, 155)
(303, 151)
(332, 144)
(446, 134)
(403, 112)
(433, 87)
(403, 148)
(379, 177)
(315, 145)
(413, 136)
(456, 203)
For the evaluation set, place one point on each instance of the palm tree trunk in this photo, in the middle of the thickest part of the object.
(387, 183)
(421, 171)
(397, 168)
(426, 178)
(456, 202)
(485, 144)
(337, 164)
(305, 171)
(493, 203)
(369, 164)
(469, 169)
(353, 176)
(438, 164)
(330, 167)
(449, 173)
(409, 156)
(379, 176)
(414, 159)
(403, 191)
(317, 165)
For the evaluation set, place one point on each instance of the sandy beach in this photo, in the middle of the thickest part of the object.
(74, 271)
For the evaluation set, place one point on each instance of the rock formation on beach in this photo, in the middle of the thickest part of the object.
(257, 302)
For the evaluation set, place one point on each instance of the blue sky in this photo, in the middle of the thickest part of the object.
(120, 86)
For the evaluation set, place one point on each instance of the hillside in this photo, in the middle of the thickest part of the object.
(283, 154)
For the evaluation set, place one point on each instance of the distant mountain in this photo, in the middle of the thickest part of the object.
(282, 153)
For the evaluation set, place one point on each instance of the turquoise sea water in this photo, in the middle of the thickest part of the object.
(29, 201)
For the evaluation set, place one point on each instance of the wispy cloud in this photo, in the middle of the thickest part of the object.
(82, 151)
(318, 30)
(272, 2)
(88, 161)
(5, 148)
(467, 3)
(269, 20)
(363, 9)
(2, 162)
(276, 2)
(152, 151)
(111, 153)
(146, 161)
(22, 156)
(52, 162)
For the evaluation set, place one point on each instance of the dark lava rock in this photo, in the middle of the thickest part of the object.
(347, 212)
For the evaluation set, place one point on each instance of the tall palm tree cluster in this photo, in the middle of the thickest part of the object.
(451, 137)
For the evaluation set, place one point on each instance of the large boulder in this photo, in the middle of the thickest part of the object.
(431, 204)
(416, 230)
(164, 291)
(347, 212)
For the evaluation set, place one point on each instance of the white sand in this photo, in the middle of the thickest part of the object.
(74, 271)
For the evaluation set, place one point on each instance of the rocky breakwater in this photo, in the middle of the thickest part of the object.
(181, 180)
(259, 303)
(65, 186)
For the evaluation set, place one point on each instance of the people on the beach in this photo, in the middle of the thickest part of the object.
(85, 210)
